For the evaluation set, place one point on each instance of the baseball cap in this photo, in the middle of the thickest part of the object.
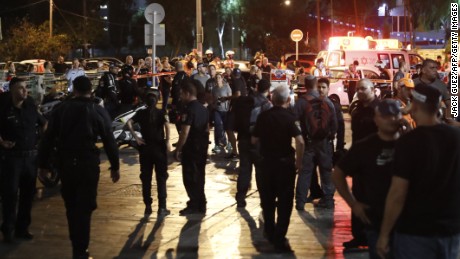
(236, 72)
(426, 94)
(200, 64)
(389, 107)
(407, 82)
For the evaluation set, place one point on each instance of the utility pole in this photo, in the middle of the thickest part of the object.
(318, 26)
(332, 19)
(358, 27)
(51, 18)
(85, 23)
(199, 28)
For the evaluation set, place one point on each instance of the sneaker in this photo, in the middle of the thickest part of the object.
(282, 246)
(163, 212)
(229, 148)
(216, 149)
(189, 211)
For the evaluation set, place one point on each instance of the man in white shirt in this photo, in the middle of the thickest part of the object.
(73, 73)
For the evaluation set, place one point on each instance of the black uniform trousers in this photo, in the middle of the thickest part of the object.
(248, 157)
(150, 157)
(277, 181)
(357, 226)
(19, 174)
(193, 174)
(79, 177)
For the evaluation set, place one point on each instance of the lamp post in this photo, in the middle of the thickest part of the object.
(51, 18)
(318, 26)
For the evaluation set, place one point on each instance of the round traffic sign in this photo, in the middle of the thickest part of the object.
(296, 35)
(154, 9)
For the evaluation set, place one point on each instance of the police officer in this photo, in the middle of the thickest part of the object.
(18, 121)
(128, 90)
(176, 105)
(73, 130)
(192, 147)
(249, 154)
(107, 90)
(279, 165)
(153, 147)
(362, 125)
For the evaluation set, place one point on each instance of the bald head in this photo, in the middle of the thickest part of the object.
(365, 90)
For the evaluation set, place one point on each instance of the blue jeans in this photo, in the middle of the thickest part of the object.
(219, 131)
(436, 247)
(322, 150)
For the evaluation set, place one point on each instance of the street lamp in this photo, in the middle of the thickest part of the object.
(287, 2)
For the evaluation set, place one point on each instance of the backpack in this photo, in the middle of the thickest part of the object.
(318, 114)
(246, 111)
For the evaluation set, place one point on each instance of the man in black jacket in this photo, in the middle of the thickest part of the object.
(107, 90)
(73, 131)
(18, 121)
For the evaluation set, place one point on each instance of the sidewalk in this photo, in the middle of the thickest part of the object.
(120, 231)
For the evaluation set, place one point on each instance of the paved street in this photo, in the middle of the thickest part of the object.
(119, 229)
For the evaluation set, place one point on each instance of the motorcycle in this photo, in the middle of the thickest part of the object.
(120, 130)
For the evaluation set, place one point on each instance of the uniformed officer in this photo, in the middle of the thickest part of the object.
(18, 124)
(192, 147)
(279, 165)
(73, 130)
(107, 90)
(153, 147)
(249, 154)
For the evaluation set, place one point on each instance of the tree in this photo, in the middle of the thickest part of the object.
(27, 41)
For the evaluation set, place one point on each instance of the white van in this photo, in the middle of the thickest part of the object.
(369, 57)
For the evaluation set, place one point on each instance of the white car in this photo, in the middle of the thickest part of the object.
(337, 83)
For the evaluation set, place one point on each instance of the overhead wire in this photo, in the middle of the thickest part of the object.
(23, 6)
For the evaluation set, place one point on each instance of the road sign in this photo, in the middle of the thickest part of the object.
(160, 39)
(154, 10)
(296, 35)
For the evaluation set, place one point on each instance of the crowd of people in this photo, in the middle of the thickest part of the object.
(403, 158)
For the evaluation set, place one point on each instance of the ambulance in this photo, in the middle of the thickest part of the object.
(343, 51)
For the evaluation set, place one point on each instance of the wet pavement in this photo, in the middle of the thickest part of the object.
(120, 230)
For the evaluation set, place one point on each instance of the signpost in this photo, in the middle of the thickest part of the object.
(296, 35)
(154, 14)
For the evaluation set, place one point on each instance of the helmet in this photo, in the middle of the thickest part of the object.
(407, 82)
(229, 52)
(209, 52)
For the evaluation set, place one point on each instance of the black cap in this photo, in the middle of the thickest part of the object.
(389, 107)
(426, 94)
